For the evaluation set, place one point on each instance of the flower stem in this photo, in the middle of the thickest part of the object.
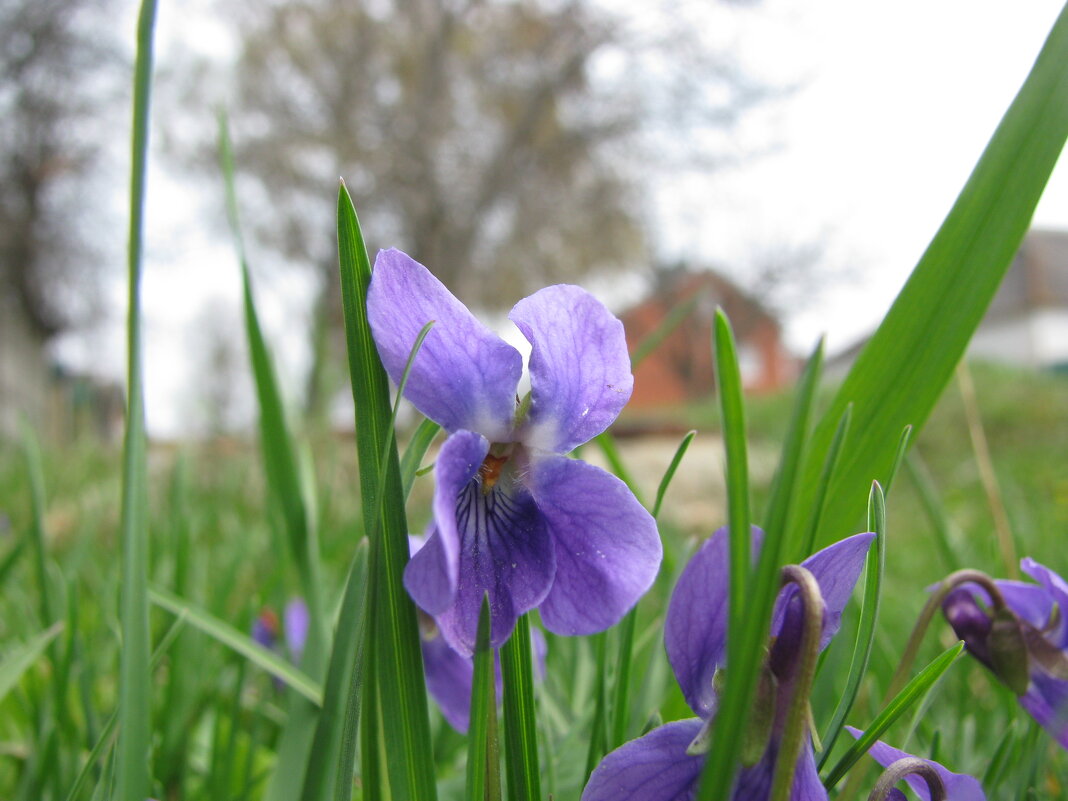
(908, 766)
(796, 727)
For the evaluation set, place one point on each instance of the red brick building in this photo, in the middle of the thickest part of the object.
(679, 369)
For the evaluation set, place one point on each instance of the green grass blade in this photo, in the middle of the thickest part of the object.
(241, 643)
(671, 321)
(280, 461)
(413, 455)
(607, 443)
(904, 367)
(398, 678)
(35, 473)
(483, 747)
(830, 465)
(289, 481)
(899, 457)
(746, 619)
(21, 658)
(783, 487)
(933, 509)
(132, 766)
(10, 559)
(898, 705)
(869, 615)
(328, 759)
(669, 474)
(598, 745)
(520, 724)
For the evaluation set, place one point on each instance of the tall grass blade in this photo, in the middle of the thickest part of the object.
(520, 723)
(241, 643)
(898, 705)
(747, 622)
(830, 464)
(398, 678)
(869, 615)
(289, 488)
(279, 454)
(672, 320)
(328, 759)
(132, 765)
(419, 444)
(21, 658)
(783, 487)
(669, 474)
(907, 363)
(483, 746)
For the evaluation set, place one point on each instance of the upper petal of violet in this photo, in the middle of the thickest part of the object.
(464, 376)
(607, 545)
(579, 366)
(837, 568)
(1057, 588)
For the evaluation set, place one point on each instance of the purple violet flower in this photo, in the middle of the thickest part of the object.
(959, 786)
(1043, 639)
(658, 767)
(513, 515)
(265, 628)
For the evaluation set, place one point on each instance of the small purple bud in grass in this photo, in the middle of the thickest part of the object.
(514, 517)
(956, 786)
(296, 628)
(666, 763)
(265, 628)
(1021, 637)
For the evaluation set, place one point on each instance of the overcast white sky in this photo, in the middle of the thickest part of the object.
(894, 105)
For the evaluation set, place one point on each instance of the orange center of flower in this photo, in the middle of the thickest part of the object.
(490, 471)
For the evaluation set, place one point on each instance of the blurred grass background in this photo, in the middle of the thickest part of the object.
(215, 543)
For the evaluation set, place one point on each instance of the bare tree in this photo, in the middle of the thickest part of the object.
(58, 70)
(486, 138)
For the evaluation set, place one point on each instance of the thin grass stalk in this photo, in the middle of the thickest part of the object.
(869, 616)
(520, 723)
(135, 712)
(983, 460)
(743, 652)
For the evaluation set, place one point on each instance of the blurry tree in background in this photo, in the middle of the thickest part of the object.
(500, 143)
(59, 76)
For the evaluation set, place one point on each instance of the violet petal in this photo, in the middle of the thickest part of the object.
(1058, 590)
(506, 551)
(579, 366)
(448, 677)
(431, 575)
(295, 626)
(837, 568)
(464, 375)
(695, 629)
(959, 786)
(655, 767)
(607, 545)
(1047, 702)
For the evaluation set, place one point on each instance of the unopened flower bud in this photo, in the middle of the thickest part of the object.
(1008, 651)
